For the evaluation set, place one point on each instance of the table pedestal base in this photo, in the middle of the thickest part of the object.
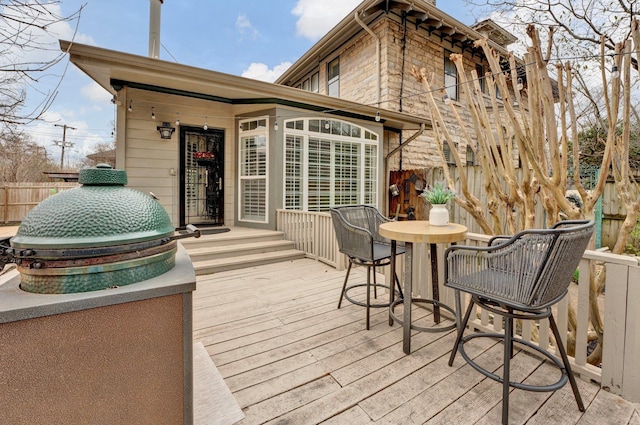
(437, 327)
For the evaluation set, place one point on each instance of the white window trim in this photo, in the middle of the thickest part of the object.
(248, 133)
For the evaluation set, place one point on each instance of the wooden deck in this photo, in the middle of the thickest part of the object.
(289, 356)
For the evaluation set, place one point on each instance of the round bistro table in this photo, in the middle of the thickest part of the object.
(418, 231)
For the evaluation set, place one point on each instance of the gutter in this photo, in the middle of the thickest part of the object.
(378, 65)
(386, 160)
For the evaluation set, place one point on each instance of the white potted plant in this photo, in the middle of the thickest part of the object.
(438, 195)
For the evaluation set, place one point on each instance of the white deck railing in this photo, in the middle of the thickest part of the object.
(619, 373)
(312, 232)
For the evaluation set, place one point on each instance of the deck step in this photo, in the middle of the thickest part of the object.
(245, 261)
(233, 237)
(239, 248)
(235, 250)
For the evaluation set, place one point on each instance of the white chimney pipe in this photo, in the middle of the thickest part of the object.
(154, 28)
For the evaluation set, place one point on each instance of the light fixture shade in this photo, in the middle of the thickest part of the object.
(166, 130)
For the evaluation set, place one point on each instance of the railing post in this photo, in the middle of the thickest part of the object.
(621, 347)
(631, 373)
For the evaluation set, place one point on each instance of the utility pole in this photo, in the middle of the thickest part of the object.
(63, 143)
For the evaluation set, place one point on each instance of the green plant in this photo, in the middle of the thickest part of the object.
(438, 193)
(633, 245)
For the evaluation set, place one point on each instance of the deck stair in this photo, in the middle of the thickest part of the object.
(239, 248)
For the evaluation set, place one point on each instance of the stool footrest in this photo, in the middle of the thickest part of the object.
(527, 387)
(362, 303)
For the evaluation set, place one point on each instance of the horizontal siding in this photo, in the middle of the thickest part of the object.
(149, 159)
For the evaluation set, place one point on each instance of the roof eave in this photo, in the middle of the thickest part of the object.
(104, 66)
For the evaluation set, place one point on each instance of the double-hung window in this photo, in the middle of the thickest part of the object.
(253, 159)
(450, 77)
(329, 163)
(333, 78)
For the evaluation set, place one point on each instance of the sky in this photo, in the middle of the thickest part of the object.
(253, 38)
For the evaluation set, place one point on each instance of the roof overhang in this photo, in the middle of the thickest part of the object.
(113, 69)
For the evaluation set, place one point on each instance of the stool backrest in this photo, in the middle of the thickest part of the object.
(532, 268)
(356, 228)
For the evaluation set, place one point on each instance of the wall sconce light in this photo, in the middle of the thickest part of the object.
(165, 130)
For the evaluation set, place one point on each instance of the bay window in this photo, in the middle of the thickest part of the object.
(329, 163)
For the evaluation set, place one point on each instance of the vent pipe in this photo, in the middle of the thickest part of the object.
(155, 7)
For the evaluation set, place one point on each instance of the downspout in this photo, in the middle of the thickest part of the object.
(378, 65)
(386, 161)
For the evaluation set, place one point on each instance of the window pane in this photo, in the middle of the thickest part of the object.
(319, 189)
(293, 173)
(480, 72)
(253, 199)
(253, 151)
(333, 78)
(370, 174)
(347, 170)
(333, 68)
(450, 77)
(315, 82)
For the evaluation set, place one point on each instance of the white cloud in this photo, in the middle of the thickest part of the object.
(316, 18)
(260, 71)
(95, 93)
(245, 28)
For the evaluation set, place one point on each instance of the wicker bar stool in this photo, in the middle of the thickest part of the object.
(356, 228)
(519, 277)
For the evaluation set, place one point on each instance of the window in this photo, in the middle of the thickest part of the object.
(480, 72)
(450, 77)
(470, 156)
(253, 170)
(329, 163)
(446, 150)
(333, 78)
(311, 84)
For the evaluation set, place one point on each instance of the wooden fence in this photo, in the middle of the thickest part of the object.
(621, 312)
(17, 199)
(609, 219)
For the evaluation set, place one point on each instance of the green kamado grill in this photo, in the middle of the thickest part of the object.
(96, 236)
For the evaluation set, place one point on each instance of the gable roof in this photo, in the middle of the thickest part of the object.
(112, 69)
(421, 13)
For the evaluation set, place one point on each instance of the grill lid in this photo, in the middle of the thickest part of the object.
(101, 212)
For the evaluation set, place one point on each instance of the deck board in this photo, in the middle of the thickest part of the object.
(290, 356)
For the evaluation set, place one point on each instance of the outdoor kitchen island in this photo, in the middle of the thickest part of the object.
(118, 355)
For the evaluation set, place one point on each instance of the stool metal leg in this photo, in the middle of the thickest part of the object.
(375, 290)
(565, 361)
(508, 350)
(369, 292)
(461, 326)
(344, 285)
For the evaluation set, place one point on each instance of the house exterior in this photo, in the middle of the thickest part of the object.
(217, 149)
(368, 57)
(237, 149)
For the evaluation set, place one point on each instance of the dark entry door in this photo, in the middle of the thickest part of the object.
(202, 178)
